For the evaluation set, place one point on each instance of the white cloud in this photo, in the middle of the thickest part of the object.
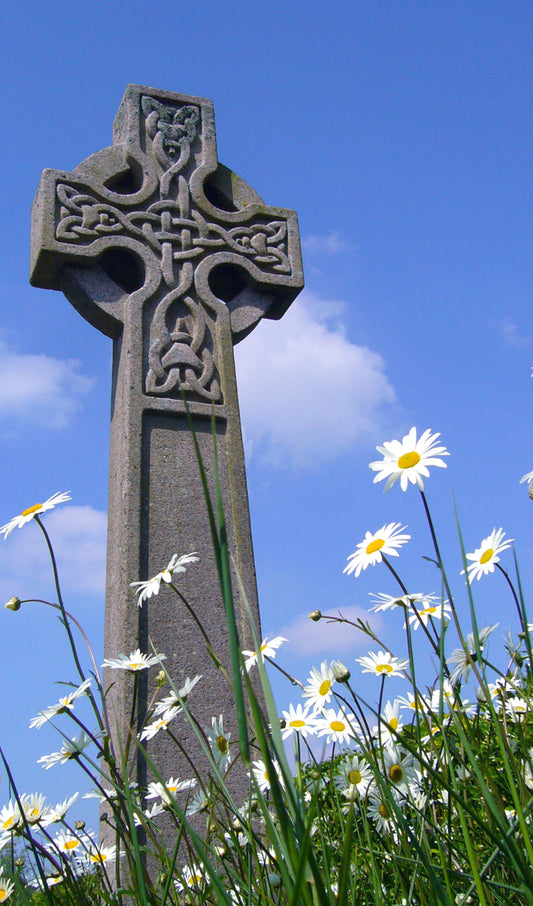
(39, 388)
(328, 639)
(332, 244)
(78, 535)
(512, 335)
(306, 392)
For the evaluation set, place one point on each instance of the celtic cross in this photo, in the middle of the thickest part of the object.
(176, 259)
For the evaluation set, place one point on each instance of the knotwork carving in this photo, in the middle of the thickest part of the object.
(180, 230)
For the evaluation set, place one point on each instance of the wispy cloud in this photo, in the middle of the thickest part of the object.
(306, 392)
(307, 638)
(331, 244)
(512, 335)
(78, 535)
(40, 389)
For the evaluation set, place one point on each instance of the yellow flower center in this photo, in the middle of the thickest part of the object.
(384, 668)
(396, 773)
(297, 723)
(338, 726)
(98, 857)
(383, 811)
(3, 894)
(408, 460)
(488, 555)
(393, 724)
(374, 546)
(222, 744)
(324, 687)
(134, 665)
(354, 777)
(8, 822)
(429, 610)
(32, 509)
(71, 844)
(262, 648)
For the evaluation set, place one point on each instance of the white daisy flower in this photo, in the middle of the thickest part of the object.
(432, 610)
(410, 703)
(219, 743)
(64, 704)
(32, 511)
(261, 775)
(151, 586)
(167, 791)
(297, 720)
(464, 659)
(408, 459)
(34, 807)
(69, 750)
(192, 878)
(354, 778)
(529, 478)
(486, 556)
(380, 810)
(337, 726)
(6, 888)
(10, 817)
(319, 683)
(100, 855)
(69, 843)
(152, 729)
(134, 661)
(390, 602)
(57, 812)
(382, 664)
(390, 724)
(516, 708)
(399, 768)
(371, 550)
(267, 649)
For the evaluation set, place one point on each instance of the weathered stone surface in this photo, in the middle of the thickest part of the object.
(176, 259)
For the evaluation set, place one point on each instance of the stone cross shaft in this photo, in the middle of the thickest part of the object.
(176, 259)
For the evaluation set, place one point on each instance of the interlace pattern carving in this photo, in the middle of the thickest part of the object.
(180, 355)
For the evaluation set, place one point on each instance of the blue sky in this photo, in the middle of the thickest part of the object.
(401, 134)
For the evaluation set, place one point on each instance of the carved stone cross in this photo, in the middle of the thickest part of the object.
(176, 259)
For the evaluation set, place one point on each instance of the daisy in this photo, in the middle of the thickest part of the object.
(297, 720)
(134, 661)
(486, 556)
(152, 729)
(193, 878)
(431, 611)
(219, 743)
(319, 683)
(267, 649)
(10, 817)
(151, 586)
(399, 768)
(68, 843)
(382, 664)
(390, 602)
(336, 725)
(371, 550)
(70, 749)
(6, 888)
(34, 807)
(354, 777)
(516, 708)
(261, 775)
(35, 510)
(64, 704)
(167, 791)
(99, 855)
(529, 478)
(380, 810)
(58, 812)
(390, 723)
(408, 459)
(463, 659)
(410, 703)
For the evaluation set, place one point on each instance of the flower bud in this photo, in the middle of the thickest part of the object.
(160, 679)
(79, 825)
(315, 615)
(340, 672)
(13, 604)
